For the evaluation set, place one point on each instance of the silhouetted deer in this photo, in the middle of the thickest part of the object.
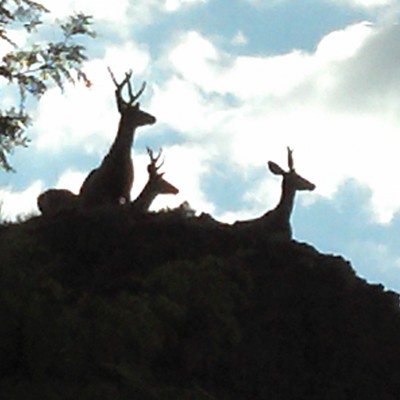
(111, 182)
(54, 201)
(277, 221)
(155, 185)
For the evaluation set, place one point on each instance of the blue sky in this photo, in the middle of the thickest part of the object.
(232, 83)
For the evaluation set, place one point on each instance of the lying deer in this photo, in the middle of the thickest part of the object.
(111, 182)
(155, 185)
(54, 201)
(277, 220)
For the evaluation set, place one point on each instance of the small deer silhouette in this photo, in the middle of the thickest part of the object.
(277, 220)
(55, 201)
(111, 182)
(155, 185)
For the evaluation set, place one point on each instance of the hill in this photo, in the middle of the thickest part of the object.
(107, 305)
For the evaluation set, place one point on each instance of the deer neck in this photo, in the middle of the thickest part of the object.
(143, 202)
(124, 139)
(286, 202)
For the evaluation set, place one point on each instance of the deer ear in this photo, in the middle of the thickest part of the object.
(275, 168)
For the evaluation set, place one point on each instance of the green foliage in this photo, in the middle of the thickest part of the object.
(12, 127)
(26, 12)
(32, 68)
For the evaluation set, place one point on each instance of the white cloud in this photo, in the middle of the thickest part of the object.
(19, 203)
(342, 44)
(100, 10)
(262, 3)
(71, 180)
(336, 107)
(382, 265)
(368, 4)
(200, 62)
(239, 39)
(87, 118)
(15, 203)
(184, 167)
(126, 14)
(181, 104)
(365, 4)
(77, 118)
(289, 99)
(195, 58)
(174, 5)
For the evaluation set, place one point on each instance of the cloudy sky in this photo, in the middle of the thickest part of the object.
(232, 83)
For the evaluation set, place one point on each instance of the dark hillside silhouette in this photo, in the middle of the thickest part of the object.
(106, 305)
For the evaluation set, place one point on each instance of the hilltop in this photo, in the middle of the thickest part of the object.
(107, 305)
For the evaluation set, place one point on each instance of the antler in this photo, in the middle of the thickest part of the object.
(290, 159)
(118, 92)
(152, 167)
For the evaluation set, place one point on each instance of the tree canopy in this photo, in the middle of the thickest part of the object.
(31, 67)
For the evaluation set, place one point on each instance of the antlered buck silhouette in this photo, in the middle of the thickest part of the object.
(277, 221)
(155, 185)
(111, 182)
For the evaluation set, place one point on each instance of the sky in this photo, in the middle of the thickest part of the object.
(232, 83)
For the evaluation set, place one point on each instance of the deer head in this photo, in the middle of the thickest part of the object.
(155, 185)
(131, 109)
(160, 184)
(291, 180)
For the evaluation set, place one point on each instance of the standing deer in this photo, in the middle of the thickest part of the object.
(55, 201)
(277, 220)
(155, 185)
(111, 182)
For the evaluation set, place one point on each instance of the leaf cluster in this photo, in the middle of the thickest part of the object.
(32, 68)
(26, 13)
